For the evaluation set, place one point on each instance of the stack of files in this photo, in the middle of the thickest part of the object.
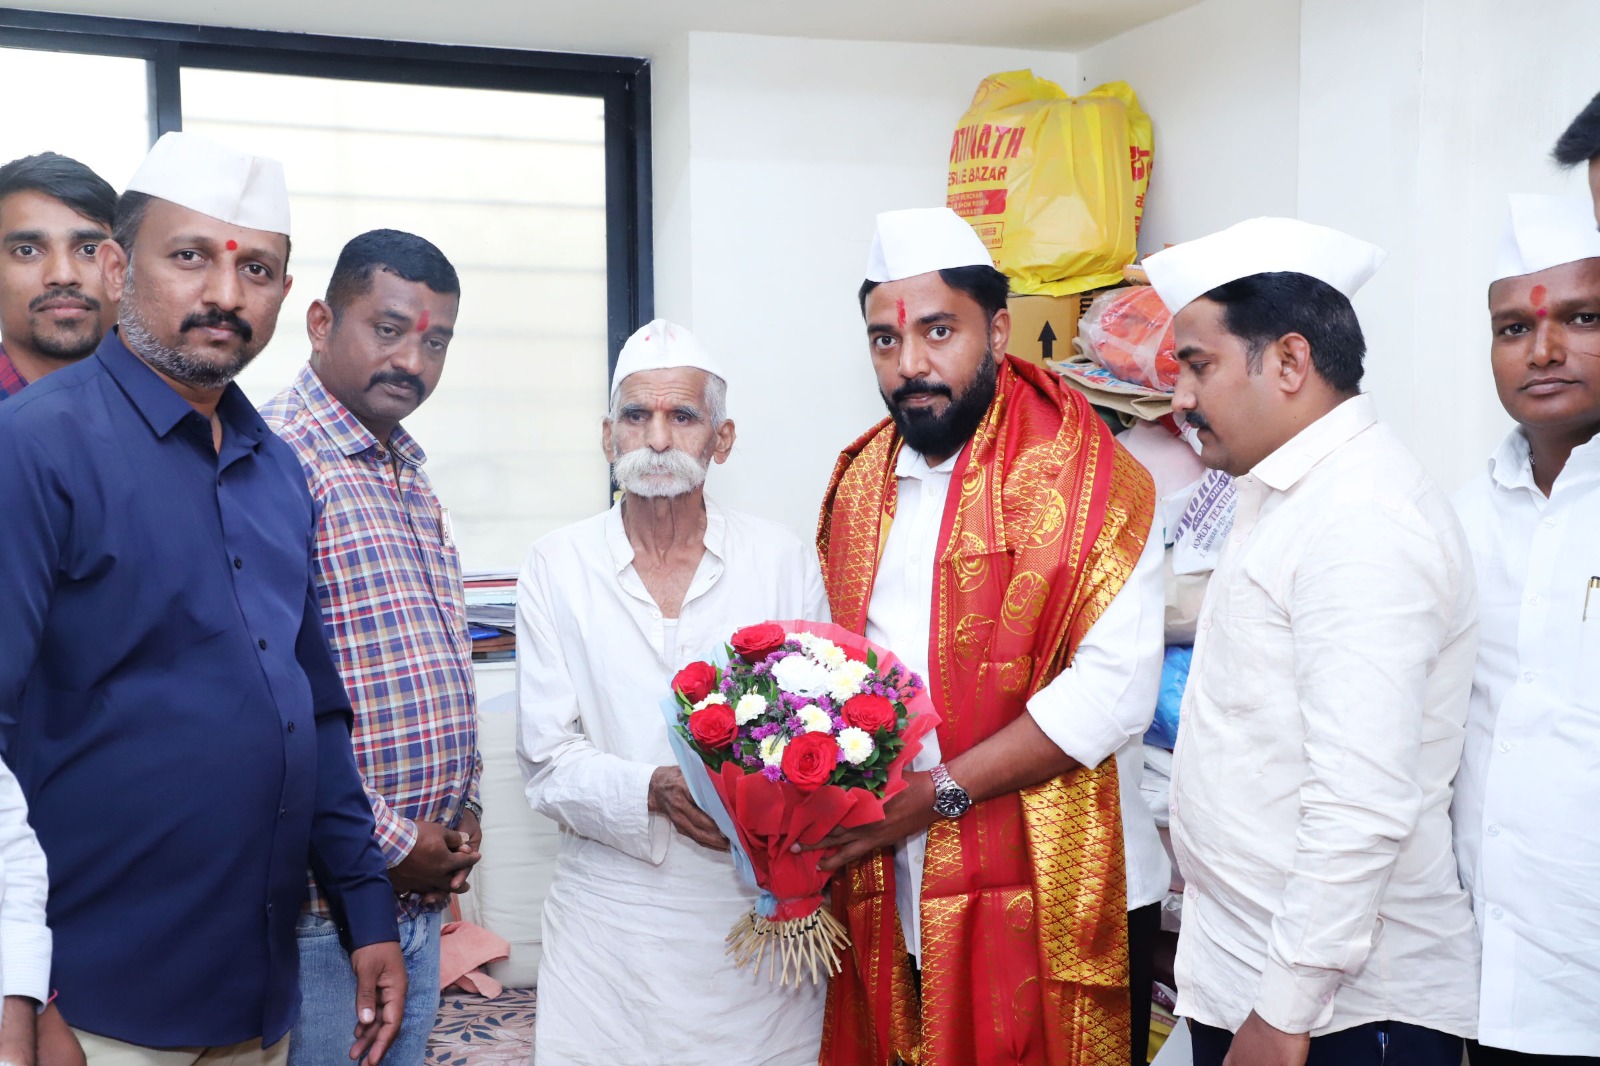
(492, 614)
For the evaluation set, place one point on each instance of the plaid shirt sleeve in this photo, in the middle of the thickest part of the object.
(396, 834)
(477, 776)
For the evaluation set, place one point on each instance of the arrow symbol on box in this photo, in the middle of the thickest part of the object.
(1047, 340)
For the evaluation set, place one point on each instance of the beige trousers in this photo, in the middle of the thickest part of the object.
(103, 1051)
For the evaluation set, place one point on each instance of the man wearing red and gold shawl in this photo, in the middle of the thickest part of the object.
(994, 535)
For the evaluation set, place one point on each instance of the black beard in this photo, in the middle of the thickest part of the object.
(947, 433)
(70, 348)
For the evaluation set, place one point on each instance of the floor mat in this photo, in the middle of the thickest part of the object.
(473, 1031)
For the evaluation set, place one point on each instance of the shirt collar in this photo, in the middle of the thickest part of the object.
(11, 379)
(1293, 460)
(1510, 467)
(159, 404)
(621, 549)
(913, 464)
(345, 429)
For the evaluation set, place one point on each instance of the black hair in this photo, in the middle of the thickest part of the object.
(1581, 141)
(131, 207)
(985, 284)
(405, 255)
(1263, 307)
(61, 178)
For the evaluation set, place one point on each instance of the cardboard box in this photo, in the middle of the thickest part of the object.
(1042, 327)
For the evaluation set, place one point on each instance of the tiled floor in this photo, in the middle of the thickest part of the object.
(473, 1031)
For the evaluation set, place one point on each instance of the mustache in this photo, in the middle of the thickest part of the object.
(218, 319)
(397, 377)
(68, 293)
(1196, 419)
(921, 387)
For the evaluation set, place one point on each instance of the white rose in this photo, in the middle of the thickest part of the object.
(751, 705)
(800, 676)
(856, 744)
(845, 681)
(815, 719)
(715, 697)
(772, 749)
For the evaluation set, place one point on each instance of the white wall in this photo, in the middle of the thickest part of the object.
(773, 156)
(1221, 83)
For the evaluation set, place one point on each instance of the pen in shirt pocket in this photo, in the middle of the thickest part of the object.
(445, 527)
(1594, 583)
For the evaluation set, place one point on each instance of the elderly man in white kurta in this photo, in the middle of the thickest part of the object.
(1323, 922)
(1528, 791)
(608, 610)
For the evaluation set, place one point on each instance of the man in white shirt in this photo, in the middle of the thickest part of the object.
(1528, 790)
(1323, 922)
(608, 610)
(1044, 690)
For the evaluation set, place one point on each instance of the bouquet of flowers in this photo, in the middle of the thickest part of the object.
(803, 728)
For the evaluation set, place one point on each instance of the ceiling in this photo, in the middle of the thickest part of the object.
(640, 27)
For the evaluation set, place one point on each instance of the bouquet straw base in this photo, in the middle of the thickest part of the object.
(791, 949)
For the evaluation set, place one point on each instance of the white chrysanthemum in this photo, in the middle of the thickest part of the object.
(800, 676)
(772, 749)
(715, 697)
(751, 705)
(832, 656)
(856, 744)
(814, 719)
(845, 681)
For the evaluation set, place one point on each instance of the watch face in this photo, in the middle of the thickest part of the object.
(952, 803)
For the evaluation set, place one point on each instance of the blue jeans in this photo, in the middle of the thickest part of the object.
(326, 1028)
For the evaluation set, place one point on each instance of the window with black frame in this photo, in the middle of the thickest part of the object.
(529, 170)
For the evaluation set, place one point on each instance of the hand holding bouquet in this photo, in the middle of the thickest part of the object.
(806, 728)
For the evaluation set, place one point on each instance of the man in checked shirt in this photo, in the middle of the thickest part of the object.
(390, 586)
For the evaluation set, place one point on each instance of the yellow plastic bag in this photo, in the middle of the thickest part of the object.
(1054, 185)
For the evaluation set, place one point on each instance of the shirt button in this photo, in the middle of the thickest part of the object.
(1191, 892)
(219, 482)
(1206, 624)
(282, 811)
(1494, 830)
(1534, 599)
(1548, 523)
(291, 727)
(262, 643)
(238, 563)
(1505, 746)
(1496, 912)
(1527, 677)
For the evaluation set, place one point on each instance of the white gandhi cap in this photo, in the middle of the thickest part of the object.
(662, 345)
(1544, 232)
(198, 173)
(921, 240)
(1185, 272)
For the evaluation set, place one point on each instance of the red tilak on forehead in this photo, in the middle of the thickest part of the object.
(422, 323)
(233, 246)
(900, 305)
(1537, 295)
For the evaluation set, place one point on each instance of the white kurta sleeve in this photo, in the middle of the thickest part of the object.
(1107, 694)
(594, 793)
(1365, 610)
(816, 594)
(24, 937)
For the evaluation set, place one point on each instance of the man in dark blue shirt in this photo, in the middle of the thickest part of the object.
(167, 697)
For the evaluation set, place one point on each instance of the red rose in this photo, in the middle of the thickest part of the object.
(713, 726)
(809, 759)
(695, 681)
(755, 643)
(869, 713)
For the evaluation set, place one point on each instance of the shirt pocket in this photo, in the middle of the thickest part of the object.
(1236, 673)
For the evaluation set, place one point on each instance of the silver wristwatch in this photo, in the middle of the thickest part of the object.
(950, 800)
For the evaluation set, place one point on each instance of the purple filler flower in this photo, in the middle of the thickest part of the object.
(772, 773)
